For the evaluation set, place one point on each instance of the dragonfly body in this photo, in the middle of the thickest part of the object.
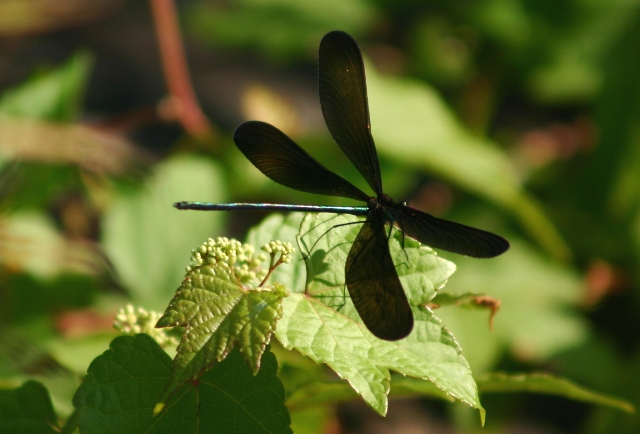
(370, 274)
(243, 206)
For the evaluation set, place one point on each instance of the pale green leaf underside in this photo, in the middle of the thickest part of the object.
(322, 323)
(143, 220)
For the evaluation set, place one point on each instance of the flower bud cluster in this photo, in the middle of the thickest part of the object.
(241, 259)
(284, 248)
(132, 321)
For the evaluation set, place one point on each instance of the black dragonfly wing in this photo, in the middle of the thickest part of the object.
(343, 98)
(282, 160)
(373, 283)
(445, 234)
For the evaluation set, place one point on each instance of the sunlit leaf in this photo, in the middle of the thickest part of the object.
(218, 313)
(148, 240)
(54, 95)
(323, 324)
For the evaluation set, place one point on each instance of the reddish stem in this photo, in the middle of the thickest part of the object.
(175, 70)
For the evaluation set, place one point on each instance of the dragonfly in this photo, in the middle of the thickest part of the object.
(370, 275)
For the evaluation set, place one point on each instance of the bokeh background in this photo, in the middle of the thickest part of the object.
(518, 116)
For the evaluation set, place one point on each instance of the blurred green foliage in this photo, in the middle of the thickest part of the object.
(518, 116)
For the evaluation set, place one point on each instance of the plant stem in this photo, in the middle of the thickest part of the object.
(183, 99)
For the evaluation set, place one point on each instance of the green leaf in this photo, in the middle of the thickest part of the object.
(314, 420)
(322, 323)
(54, 96)
(245, 403)
(548, 384)
(219, 313)
(321, 393)
(289, 27)
(122, 386)
(535, 320)
(325, 240)
(411, 123)
(27, 410)
(148, 240)
(119, 391)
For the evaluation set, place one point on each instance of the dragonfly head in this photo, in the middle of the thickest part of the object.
(373, 202)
